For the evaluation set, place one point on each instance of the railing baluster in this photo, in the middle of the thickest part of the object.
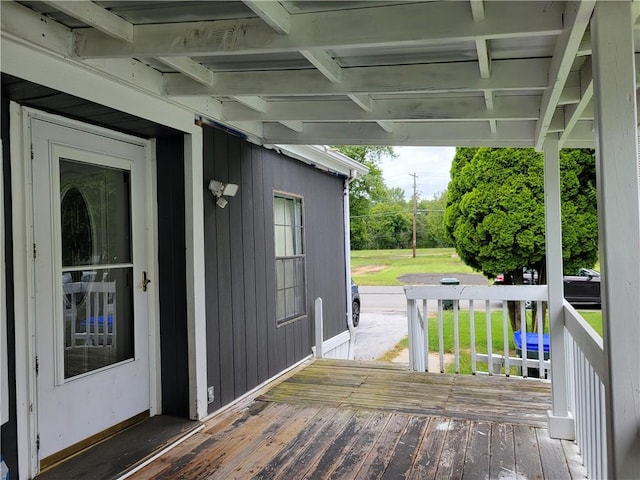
(590, 405)
(541, 370)
(426, 334)
(505, 337)
(596, 423)
(411, 316)
(456, 337)
(487, 313)
(603, 431)
(472, 337)
(440, 336)
(523, 343)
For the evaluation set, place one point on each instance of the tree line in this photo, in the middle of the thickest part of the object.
(381, 217)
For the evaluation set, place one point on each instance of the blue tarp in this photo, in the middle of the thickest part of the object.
(532, 341)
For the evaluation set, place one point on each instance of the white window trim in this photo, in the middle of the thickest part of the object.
(292, 196)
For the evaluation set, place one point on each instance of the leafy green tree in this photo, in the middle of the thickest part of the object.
(390, 226)
(365, 191)
(430, 230)
(495, 210)
(395, 195)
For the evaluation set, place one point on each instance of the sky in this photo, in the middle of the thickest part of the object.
(431, 164)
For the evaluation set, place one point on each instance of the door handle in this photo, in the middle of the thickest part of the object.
(145, 281)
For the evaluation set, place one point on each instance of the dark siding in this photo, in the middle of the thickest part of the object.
(9, 436)
(244, 345)
(172, 276)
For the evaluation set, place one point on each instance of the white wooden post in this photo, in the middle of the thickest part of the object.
(561, 424)
(619, 226)
(319, 327)
(196, 314)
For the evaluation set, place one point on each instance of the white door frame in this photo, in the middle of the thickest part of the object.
(24, 295)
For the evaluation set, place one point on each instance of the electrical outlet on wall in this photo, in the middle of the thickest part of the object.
(210, 394)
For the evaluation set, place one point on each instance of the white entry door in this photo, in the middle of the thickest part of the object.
(91, 324)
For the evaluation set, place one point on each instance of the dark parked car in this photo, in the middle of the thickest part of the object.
(583, 288)
(355, 304)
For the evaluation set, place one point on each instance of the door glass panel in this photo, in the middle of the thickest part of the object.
(97, 274)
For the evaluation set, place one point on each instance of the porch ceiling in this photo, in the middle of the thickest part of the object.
(477, 72)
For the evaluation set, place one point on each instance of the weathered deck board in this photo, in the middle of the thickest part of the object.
(347, 420)
(360, 385)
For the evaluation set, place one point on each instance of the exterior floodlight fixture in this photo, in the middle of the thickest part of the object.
(220, 190)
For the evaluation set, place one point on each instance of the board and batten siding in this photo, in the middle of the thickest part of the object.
(244, 345)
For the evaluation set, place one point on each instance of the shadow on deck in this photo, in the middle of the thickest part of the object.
(344, 420)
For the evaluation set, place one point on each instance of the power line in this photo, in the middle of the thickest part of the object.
(388, 214)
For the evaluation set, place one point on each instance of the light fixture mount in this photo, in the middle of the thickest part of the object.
(220, 190)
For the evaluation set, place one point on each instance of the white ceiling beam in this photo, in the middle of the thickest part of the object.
(484, 58)
(386, 126)
(191, 69)
(477, 10)
(557, 122)
(272, 13)
(577, 17)
(489, 100)
(392, 110)
(395, 25)
(515, 134)
(257, 104)
(24, 24)
(293, 125)
(524, 74)
(574, 112)
(569, 95)
(99, 18)
(324, 63)
(365, 102)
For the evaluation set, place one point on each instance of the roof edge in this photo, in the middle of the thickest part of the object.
(323, 158)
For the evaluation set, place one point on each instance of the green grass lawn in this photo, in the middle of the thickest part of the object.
(383, 267)
(594, 318)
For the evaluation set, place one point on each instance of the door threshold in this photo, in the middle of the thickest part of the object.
(124, 451)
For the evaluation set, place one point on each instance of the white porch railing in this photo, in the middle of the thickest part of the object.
(585, 370)
(495, 356)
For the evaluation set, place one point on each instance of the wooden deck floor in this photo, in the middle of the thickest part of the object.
(348, 420)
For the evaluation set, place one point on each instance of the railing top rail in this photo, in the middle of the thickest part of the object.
(587, 339)
(474, 292)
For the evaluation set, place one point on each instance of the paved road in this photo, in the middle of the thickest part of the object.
(383, 321)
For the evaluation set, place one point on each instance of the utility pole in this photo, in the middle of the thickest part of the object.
(415, 212)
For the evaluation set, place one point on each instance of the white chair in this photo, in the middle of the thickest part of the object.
(96, 301)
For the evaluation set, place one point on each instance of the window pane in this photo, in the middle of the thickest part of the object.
(95, 214)
(300, 299)
(280, 310)
(289, 274)
(280, 274)
(289, 211)
(289, 251)
(290, 302)
(278, 210)
(300, 271)
(98, 318)
(298, 214)
(298, 248)
(280, 241)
